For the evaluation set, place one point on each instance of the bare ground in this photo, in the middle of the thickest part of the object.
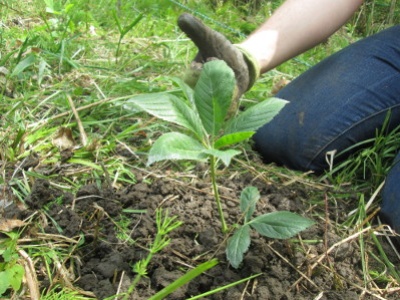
(99, 263)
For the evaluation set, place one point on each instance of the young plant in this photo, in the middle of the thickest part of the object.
(203, 114)
(123, 30)
(11, 272)
(165, 224)
(276, 225)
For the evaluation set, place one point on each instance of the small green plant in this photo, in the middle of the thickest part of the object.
(369, 161)
(165, 224)
(203, 115)
(277, 225)
(11, 272)
(59, 292)
(124, 30)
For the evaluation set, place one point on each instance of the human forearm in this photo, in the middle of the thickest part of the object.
(295, 27)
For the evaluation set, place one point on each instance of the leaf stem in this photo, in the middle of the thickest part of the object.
(213, 168)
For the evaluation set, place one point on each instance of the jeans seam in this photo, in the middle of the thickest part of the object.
(348, 129)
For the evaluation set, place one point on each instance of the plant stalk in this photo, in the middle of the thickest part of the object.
(213, 168)
(139, 275)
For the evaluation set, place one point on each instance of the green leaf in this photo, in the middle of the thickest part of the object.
(237, 245)
(186, 278)
(175, 145)
(248, 199)
(168, 108)
(85, 162)
(233, 138)
(4, 282)
(23, 64)
(116, 19)
(9, 254)
(186, 89)
(256, 116)
(223, 288)
(130, 26)
(50, 6)
(280, 224)
(213, 94)
(224, 155)
(15, 275)
(42, 68)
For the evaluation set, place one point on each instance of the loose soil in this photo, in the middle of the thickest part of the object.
(101, 265)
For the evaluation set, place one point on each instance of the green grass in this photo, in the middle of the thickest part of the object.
(51, 50)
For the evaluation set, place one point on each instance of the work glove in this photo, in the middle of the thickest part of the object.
(213, 45)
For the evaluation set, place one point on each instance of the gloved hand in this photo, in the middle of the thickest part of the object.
(213, 45)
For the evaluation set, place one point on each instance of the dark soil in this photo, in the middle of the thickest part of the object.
(103, 262)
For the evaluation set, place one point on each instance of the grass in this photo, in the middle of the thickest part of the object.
(52, 51)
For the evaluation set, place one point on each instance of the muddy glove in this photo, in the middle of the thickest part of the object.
(213, 45)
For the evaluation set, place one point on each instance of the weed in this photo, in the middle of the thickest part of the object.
(124, 30)
(41, 41)
(205, 120)
(165, 224)
(277, 225)
(11, 272)
(370, 160)
(62, 293)
(204, 115)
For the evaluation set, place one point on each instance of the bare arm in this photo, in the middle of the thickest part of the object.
(296, 26)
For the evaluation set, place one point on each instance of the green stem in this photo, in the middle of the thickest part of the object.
(216, 193)
(137, 278)
(143, 269)
(117, 51)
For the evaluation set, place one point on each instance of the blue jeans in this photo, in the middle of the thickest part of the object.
(339, 102)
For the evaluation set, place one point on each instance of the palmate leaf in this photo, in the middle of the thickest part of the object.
(176, 146)
(280, 224)
(256, 116)
(168, 108)
(237, 245)
(213, 94)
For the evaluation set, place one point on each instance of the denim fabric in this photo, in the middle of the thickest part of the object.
(339, 102)
(390, 208)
